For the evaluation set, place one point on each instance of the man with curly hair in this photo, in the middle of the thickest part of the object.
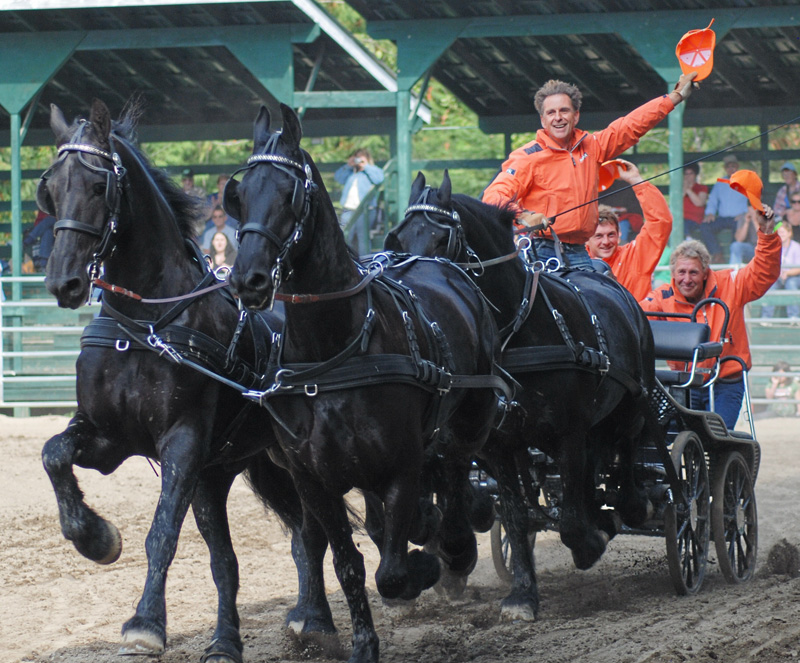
(555, 176)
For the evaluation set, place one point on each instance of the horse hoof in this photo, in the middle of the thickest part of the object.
(221, 652)
(104, 548)
(450, 585)
(136, 642)
(517, 612)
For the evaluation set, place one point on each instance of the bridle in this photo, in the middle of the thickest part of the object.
(456, 238)
(113, 198)
(301, 207)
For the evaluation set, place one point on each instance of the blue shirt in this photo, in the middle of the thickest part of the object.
(724, 201)
(363, 180)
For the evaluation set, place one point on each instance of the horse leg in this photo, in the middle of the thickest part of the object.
(93, 536)
(181, 462)
(457, 546)
(634, 506)
(348, 563)
(578, 532)
(400, 574)
(312, 614)
(522, 602)
(210, 514)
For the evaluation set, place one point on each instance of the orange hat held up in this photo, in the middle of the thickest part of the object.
(609, 171)
(695, 52)
(749, 184)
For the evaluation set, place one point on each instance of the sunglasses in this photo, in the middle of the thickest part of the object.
(795, 202)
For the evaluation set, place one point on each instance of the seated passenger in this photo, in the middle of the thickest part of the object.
(692, 280)
(633, 263)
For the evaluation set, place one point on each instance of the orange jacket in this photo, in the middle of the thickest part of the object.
(735, 288)
(633, 264)
(543, 177)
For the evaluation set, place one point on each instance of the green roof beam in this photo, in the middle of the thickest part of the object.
(355, 99)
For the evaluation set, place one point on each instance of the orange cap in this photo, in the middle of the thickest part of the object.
(749, 184)
(609, 171)
(695, 52)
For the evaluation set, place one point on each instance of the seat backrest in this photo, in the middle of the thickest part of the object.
(677, 340)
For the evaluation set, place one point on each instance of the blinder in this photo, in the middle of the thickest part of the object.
(43, 199)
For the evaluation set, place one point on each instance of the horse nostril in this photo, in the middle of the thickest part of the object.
(257, 281)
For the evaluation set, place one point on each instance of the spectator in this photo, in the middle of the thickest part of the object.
(556, 175)
(782, 387)
(725, 210)
(694, 280)
(633, 263)
(42, 232)
(220, 221)
(188, 185)
(357, 176)
(695, 197)
(744, 238)
(790, 186)
(792, 216)
(789, 278)
(214, 199)
(222, 252)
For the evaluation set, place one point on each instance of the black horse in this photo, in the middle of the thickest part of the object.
(371, 367)
(138, 395)
(559, 335)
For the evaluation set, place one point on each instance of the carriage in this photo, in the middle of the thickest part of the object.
(702, 491)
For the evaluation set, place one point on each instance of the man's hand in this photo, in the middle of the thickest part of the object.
(629, 172)
(529, 219)
(683, 88)
(709, 218)
(766, 220)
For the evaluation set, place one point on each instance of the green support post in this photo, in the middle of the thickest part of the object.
(675, 122)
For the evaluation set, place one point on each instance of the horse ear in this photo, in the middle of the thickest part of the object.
(446, 190)
(261, 130)
(292, 130)
(58, 124)
(100, 119)
(417, 187)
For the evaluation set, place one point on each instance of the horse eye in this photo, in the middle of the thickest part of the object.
(99, 189)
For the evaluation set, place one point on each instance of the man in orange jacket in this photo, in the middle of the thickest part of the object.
(633, 264)
(692, 280)
(556, 175)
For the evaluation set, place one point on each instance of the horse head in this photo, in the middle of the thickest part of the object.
(82, 191)
(90, 190)
(273, 203)
(431, 227)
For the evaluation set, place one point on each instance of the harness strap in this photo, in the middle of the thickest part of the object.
(190, 344)
(165, 319)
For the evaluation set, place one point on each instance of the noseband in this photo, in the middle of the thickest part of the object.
(113, 199)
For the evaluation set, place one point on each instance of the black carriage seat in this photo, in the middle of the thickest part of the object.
(687, 342)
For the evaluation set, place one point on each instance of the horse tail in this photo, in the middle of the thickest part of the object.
(274, 486)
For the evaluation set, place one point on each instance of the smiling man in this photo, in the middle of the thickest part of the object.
(556, 175)
(633, 264)
(693, 280)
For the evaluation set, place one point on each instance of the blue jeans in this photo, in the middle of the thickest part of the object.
(742, 253)
(792, 310)
(575, 253)
(727, 400)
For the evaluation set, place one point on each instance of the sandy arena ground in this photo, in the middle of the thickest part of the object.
(58, 606)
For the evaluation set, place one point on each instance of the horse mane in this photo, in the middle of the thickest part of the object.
(496, 223)
(187, 209)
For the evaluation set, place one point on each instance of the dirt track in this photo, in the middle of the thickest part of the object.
(57, 606)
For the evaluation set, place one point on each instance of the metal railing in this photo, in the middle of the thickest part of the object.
(40, 343)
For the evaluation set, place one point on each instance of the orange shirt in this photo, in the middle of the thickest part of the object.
(543, 177)
(633, 264)
(735, 288)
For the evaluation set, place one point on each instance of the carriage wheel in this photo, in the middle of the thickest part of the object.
(734, 519)
(501, 551)
(686, 526)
